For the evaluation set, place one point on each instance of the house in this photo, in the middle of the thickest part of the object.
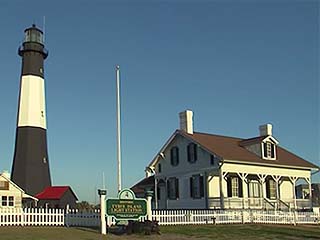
(196, 170)
(11, 195)
(57, 197)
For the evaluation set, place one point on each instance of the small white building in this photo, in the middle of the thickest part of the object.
(196, 170)
(11, 195)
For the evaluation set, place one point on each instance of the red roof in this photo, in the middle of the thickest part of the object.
(54, 192)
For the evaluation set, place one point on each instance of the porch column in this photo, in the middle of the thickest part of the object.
(262, 180)
(223, 188)
(293, 181)
(308, 180)
(277, 178)
(206, 190)
(243, 177)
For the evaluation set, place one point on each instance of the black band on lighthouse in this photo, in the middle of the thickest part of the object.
(30, 169)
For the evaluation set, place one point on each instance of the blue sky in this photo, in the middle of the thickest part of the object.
(236, 64)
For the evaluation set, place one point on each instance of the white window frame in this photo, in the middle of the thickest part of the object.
(234, 186)
(7, 201)
(270, 146)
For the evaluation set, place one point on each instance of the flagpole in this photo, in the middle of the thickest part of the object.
(118, 127)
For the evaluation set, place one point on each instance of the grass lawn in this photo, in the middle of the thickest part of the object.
(223, 232)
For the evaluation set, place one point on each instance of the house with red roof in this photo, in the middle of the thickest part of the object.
(195, 170)
(57, 197)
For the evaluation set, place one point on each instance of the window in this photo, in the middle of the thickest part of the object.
(174, 154)
(268, 150)
(234, 186)
(254, 189)
(196, 186)
(271, 189)
(7, 201)
(173, 188)
(11, 201)
(192, 152)
(4, 201)
(159, 168)
(4, 185)
(214, 159)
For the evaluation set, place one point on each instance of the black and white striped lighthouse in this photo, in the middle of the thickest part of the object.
(30, 169)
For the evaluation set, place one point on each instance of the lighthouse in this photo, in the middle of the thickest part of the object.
(30, 168)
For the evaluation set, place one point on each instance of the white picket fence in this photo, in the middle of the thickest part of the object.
(184, 217)
(69, 218)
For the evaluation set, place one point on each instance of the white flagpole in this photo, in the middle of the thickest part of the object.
(118, 127)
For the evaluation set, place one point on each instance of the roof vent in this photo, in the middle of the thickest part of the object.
(266, 130)
(186, 121)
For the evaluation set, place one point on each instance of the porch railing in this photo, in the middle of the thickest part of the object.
(259, 203)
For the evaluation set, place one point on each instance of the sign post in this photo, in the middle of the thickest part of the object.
(102, 193)
(126, 206)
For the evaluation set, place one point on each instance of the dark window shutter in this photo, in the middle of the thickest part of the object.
(265, 153)
(201, 186)
(212, 157)
(195, 149)
(272, 150)
(191, 187)
(177, 154)
(171, 155)
(268, 188)
(229, 189)
(168, 189)
(158, 193)
(177, 187)
(188, 152)
(240, 189)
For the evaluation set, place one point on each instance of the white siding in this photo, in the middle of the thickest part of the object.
(13, 191)
(183, 171)
(213, 188)
(32, 110)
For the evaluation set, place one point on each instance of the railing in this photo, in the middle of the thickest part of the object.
(210, 216)
(61, 217)
(259, 203)
(240, 203)
(31, 217)
(269, 204)
(75, 217)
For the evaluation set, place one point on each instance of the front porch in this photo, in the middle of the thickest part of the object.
(257, 189)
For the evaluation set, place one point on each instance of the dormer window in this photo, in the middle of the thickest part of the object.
(269, 150)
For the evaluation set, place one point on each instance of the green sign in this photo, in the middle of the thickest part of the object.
(126, 206)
